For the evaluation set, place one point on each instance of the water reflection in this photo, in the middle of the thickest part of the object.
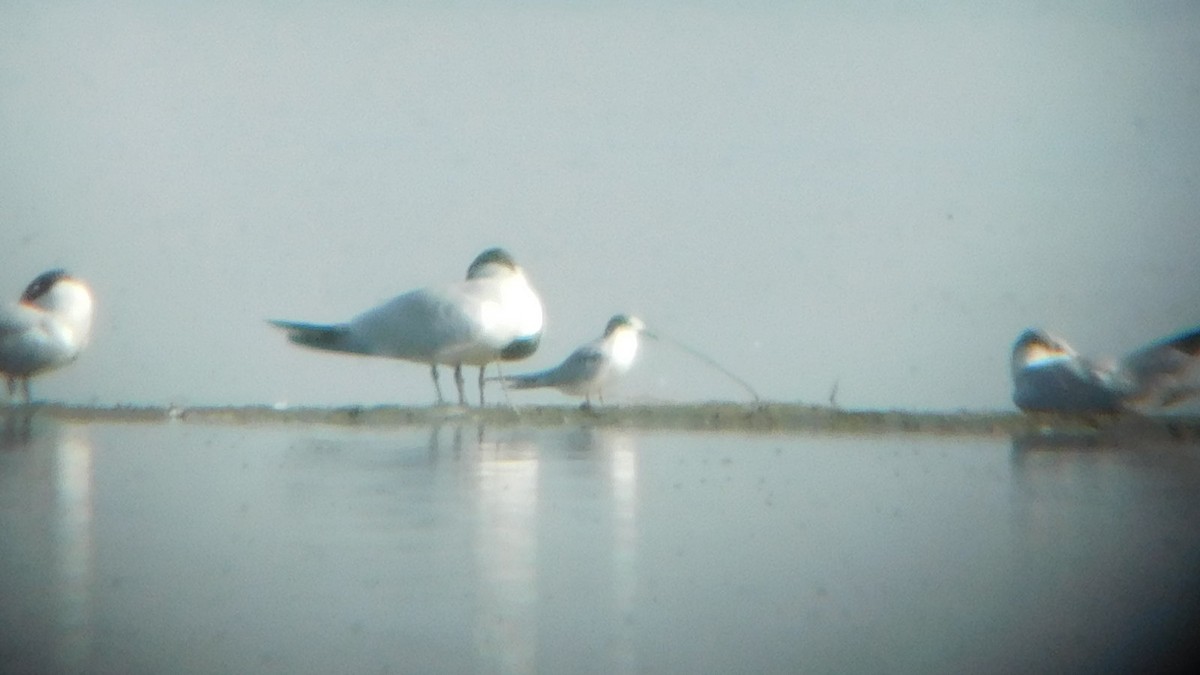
(505, 546)
(517, 520)
(518, 581)
(47, 470)
(623, 467)
(459, 548)
(522, 505)
(1126, 432)
(1106, 542)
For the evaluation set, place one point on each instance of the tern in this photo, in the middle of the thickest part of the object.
(45, 330)
(493, 315)
(593, 366)
(1049, 376)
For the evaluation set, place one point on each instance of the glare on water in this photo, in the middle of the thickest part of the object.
(201, 548)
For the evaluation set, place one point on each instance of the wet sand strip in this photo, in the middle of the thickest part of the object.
(717, 417)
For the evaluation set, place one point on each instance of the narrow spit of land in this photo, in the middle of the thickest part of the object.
(717, 417)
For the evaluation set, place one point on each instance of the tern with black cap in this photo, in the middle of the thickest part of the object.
(45, 330)
(1049, 376)
(592, 367)
(492, 315)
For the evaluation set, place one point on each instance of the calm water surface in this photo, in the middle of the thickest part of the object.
(300, 549)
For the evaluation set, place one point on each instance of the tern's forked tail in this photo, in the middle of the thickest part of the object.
(327, 337)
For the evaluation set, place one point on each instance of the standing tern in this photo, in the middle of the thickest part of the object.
(1049, 376)
(493, 315)
(46, 329)
(593, 366)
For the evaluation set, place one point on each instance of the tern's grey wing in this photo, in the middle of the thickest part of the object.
(16, 319)
(22, 339)
(1166, 370)
(1066, 386)
(418, 325)
(583, 365)
(1168, 356)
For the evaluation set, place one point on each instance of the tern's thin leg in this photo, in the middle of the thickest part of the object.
(503, 384)
(481, 370)
(28, 391)
(12, 386)
(458, 382)
(436, 384)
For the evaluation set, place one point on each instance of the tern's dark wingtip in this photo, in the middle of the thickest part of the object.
(1188, 342)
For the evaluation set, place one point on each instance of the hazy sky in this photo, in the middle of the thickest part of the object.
(810, 192)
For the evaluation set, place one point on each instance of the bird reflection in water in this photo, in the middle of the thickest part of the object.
(506, 493)
(48, 481)
(518, 503)
(518, 525)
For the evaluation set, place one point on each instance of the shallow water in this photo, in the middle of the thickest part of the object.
(181, 547)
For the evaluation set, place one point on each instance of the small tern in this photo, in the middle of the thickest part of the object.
(493, 315)
(1049, 376)
(593, 366)
(45, 330)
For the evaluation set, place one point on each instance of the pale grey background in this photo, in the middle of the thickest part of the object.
(810, 192)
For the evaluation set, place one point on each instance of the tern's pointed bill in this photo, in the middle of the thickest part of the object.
(492, 315)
